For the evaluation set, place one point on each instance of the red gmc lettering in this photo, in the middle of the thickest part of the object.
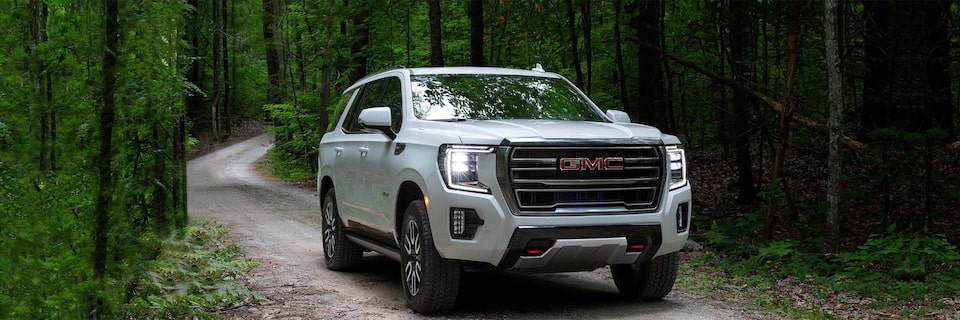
(611, 163)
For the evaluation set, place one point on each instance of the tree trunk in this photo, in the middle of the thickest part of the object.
(327, 74)
(39, 79)
(361, 35)
(739, 54)
(475, 12)
(587, 22)
(274, 83)
(105, 154)
(646, 19)
(226, 103)
(194, 100)
(215, 107)
(794, 52)
(618, 56)
(939, 90)
(831, 237)
(436, 43)
(574, 43)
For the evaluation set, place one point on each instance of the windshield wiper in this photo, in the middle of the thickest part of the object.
(457, 119)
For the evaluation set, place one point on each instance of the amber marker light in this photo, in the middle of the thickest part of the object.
(426, 201)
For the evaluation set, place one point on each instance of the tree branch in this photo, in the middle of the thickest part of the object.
(847, 141)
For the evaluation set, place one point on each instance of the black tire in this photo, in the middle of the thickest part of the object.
(339, 252)
(430, 282)
(647, 281)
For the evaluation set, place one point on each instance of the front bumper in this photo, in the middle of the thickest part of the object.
(580, 242)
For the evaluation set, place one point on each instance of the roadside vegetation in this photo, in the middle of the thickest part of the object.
(99, 101)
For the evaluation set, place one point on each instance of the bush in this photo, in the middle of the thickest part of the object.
(296, 137)
(195, 273)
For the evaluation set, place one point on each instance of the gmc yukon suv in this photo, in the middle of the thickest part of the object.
(449, 170)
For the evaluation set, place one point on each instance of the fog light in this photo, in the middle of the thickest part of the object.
(464, 223)
(683, 217)
(537, 247)
(636, 244)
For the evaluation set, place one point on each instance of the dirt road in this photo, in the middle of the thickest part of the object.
(279, 225)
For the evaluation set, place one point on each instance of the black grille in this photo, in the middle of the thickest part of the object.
(549, 179)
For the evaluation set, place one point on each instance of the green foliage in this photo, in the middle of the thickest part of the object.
(195, 273)
(296, 138)
(904, 261)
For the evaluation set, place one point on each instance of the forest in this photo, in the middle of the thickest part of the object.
(822, 135)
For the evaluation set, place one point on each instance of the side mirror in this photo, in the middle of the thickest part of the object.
(377, 119)
(618, 116)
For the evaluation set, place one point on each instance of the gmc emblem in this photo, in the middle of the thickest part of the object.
(584, 164)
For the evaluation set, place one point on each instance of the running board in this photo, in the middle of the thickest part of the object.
(389, 252)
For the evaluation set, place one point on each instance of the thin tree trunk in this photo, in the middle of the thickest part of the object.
(327, 74)
(105, 154)
(831, 239)
(587, 22)
(618, 44)
(574, 43)
(784, 139)
(39, 79)
(648, 107)
(436, 37)
(217, 71)
(226, 105)
(272, 54)
(361, 35)
(475, 12)
(739, 55)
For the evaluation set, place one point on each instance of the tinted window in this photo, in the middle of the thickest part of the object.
(338, 109)
(494, 97)
(372, 92)
(393, 98)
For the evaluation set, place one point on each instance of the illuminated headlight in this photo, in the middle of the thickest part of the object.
(458, 166)
(678, 167)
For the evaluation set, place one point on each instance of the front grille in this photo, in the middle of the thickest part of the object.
(586, 179)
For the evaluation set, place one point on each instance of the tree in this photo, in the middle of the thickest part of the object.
(475, 12)
(105, 155)
(739, 54)
(574, 43)
(218, 74)
(274, 81)
(831, 239)
(436, 34)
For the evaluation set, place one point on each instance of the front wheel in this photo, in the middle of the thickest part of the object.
(648, 281)
(339, 252)
(430, 282)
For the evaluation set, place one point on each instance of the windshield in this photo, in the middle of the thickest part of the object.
(497, 97)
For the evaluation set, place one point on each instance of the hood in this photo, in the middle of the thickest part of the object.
(539, 131)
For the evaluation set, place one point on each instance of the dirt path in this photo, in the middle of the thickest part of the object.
(279, 225)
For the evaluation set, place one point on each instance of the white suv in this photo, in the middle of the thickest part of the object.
(454, 169)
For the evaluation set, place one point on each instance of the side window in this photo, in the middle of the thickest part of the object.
(372, 93)
(381, 93)
(338, 110)
(393, 98)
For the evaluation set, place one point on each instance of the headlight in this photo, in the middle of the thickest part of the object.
(458, 166)
(678, 167)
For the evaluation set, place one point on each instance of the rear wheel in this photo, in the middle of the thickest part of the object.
(339, 252)
(648, 281)
(430, 282)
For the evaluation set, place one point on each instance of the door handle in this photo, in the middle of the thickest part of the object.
(339, 150)
(364, 151)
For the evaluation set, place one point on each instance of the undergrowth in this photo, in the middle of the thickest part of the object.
(891, 274)
(195, 275)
